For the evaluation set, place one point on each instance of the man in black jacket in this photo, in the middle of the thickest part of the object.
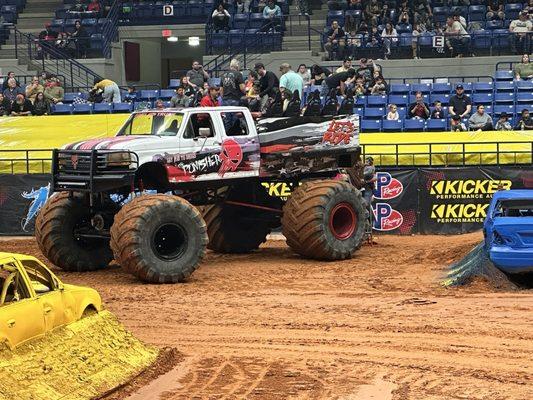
(268, 80)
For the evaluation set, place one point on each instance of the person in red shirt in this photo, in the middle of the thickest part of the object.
(94, 6)
(211, 99)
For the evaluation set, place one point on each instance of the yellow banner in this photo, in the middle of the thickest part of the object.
(27, 134)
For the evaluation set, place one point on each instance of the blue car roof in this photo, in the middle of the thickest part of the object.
(513, 194)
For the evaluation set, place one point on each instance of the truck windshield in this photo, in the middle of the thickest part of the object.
(153, 123)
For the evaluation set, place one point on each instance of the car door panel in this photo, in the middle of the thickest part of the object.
(22, 320)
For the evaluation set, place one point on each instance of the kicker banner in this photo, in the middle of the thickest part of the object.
(406, 201)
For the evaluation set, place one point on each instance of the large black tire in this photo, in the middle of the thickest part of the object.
(239, 229)
(325, 220)
(159, 238)
(54, 232)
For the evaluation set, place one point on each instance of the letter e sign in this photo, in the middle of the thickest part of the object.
(438, 41)
(168, 10)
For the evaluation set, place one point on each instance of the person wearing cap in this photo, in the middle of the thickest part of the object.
(520, 28)
(290, 80)
(480, 120)
(268, 80)
(456, 124)
(346, 65)
(460, 104)
(503, 123)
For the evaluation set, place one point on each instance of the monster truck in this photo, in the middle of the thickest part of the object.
(174, 182)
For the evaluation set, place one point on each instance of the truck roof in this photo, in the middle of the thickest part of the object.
(513, 194)
(190, 109)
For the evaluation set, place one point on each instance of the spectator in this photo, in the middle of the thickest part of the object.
(350, 24)
(269, 81)
(10, 75)
(303, 6)
(318, 74)
(12, 90)
(389, 36)
(197, 76)
(78, 6)
(525, 122)
(458, 38)
(480, 121)
(5, 106)
(419, 109)
(305, 74)
(94, 6)
(220, 18)
(110, 90)
(81, 39)
(44, 78)
(272, 15)
(180, 99)
(337, 81)
(460, 104)
(520, 28)
(393, 115)
(242, 6)
(438, 111)
(456, 124)
(290, 81)
(385, 15)
(53, 91)
(21, 107)
(354, 5)
(251, 80)
(372, 12)
(65, 45)
(495, 10)
(335, 41)
(374, 38)
(205, 89)
(366, 69)
(188, 89)
(33, 89)
(404, 13)
(41, 106)
(523, 70)
(360, 89)
(503, 123)
(47, 34)
(379, 86)
(159, 104)
(232, 85)
(346, 65)
(422, 11)
(418, 29)
(211, 99)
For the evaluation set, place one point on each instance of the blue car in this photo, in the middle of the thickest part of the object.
(508, 231)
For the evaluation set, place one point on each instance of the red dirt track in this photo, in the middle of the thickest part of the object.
(270, 325)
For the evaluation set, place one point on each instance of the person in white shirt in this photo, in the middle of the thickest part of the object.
(389, 36)
(393, 115)
(520, 28)
(458, 38)
(221, 19)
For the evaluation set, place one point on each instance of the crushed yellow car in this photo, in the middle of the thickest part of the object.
(34, 301)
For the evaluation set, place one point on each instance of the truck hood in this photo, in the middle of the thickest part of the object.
(130, 142)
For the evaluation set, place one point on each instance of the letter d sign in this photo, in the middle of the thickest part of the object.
(168, 10)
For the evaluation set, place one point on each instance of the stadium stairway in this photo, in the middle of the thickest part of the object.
(297, 39)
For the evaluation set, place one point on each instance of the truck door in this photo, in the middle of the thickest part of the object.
(200, 146)
(239, 154)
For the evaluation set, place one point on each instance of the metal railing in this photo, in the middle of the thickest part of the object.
(40, 56)
(110, 29)
(400, 155)
(442, 79)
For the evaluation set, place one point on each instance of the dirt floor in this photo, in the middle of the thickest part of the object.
(380, 326)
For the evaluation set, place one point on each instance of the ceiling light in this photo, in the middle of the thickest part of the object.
(172, 39)
(194, 41)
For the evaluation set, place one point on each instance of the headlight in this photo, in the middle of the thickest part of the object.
(118, 159)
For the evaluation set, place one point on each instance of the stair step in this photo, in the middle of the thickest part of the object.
(35, 15)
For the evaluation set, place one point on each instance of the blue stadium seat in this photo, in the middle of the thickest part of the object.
(500, 39)
(404, 28)
(174, 83)
(236, 39)
(195, 8)
(83, 108)
(354, 13)
(406, 39)
(335, 16)
(252, 39)
(413, 125)
(97, 41)
(512, 10)
(421, 87)
(440, 14)
(482, 39)
(441, 88)
(500, 108)
(412, 98)
(62, 109)
(504, 75)
(256, 20)
(495, 24)
(69, 97)
(524, 97)
(504, 97)
(426, 39)
(480, 87)
(524, 86)
(402, 112)
(149, 94)
(504, 86)
(436, 125)
(399, 99)
(57, 25)
(240, 21)
(166, 94)
(373, 113)
(102, 108)
(371, 125)
(219, 40)
(476, 13)
(482, 98)
(444, 98)
(376, 101)
(359, 111)
(392, 126)
(466, 85)
(122, 107)
(399, 88)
